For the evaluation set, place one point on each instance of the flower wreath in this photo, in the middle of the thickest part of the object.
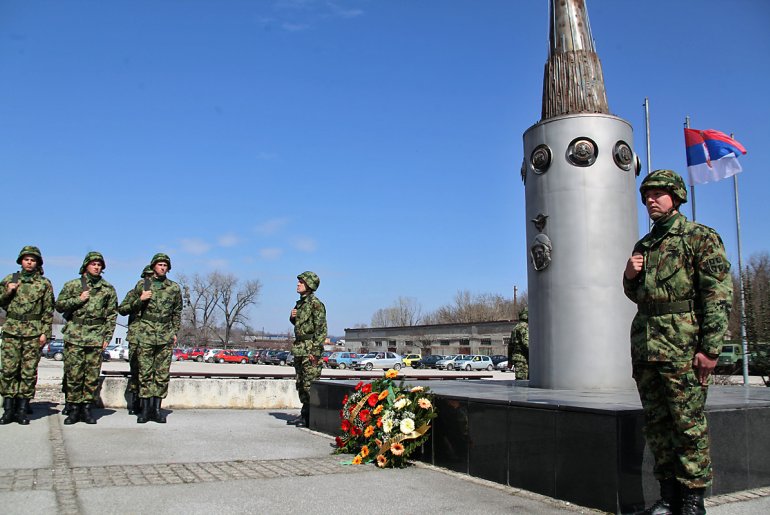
(384, 422)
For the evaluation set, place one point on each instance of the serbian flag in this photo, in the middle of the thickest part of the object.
(711, 155)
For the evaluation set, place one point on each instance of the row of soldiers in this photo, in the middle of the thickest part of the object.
(89, 305)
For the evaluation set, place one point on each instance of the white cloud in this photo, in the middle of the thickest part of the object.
(305, 244)
(228, 240)
(194, 246)
(271, 226)
(217, 264)
(271, 253)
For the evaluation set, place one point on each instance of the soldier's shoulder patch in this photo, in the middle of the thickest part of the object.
(716, 266)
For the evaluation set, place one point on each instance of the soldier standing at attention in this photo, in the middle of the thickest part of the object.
(679, 277)
(157, 316)
(309, 319)
(518, 349)
(90, 307)
(27, 298)
(133, 363)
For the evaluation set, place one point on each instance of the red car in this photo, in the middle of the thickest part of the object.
(228, 356)
(196, 354)
(179, 355)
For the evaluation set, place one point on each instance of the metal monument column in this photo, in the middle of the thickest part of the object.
(579, 172)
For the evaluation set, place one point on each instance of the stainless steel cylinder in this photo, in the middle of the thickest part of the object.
(581, 215)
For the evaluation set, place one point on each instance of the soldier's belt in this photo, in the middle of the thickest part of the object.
(153, 318)
(303, 338)
(667, 308)
(24, 318)
(88, 321)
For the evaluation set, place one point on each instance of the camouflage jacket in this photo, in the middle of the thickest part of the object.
(519, 341)
(309, 326)
(29, 309)
(156, 321)
(90, 323)
(683, 261)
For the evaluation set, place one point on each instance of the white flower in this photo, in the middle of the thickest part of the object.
(387, 425)
(399, 404)
(407, 426)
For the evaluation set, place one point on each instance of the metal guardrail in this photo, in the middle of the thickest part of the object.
(291, 375)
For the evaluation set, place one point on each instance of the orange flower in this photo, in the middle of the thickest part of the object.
(397, 449)
(382, 395)
(369, 431)
(357, 460)
(424, 403)
(381, 461)
(364, 451)
(378, 409)
(379, 422)
(391, 374)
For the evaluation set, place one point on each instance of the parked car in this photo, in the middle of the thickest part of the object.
(115, 350)
(384, 360)
(55, 350)
(179, 355)
(497, 358)
(196, 354)
(229, 356)
(410, 359)
(105, 355)
(325, 358)
(208, 356)
(253, 355)
(428, 361)
(343, 360)
(278, 358)
(449, 362)
(475, 362)
(503, 365)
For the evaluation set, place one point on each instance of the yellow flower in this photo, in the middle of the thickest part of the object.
(364, 451)
(397, 449)
(369, 431)
(391, 374)
(378, 410)
(381, 461)
(357, 460)
(417, 389)
(382, 395)
(424, 403)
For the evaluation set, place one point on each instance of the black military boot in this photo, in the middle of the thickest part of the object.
(304, 416)
(67, 408)
(74, 415)
(133, 403)
(294, 420)
(9, 407)
(21, 411)
(668, 504)
(85, 413)
(692, 501)
(144, 411)
(158, 415)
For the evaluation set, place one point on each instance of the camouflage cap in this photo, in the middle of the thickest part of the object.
(667, 180)
(157, 258)
(524, 314)
(92, 256)
(30, 250)
(147, 271)
(310, 279)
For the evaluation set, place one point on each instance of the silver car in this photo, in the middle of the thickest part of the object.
(475, 362)
(384, 360)
(449, 362)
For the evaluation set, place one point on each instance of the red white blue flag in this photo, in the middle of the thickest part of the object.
(711, 155)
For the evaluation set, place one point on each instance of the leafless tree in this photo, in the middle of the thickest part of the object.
(405, 311)
(233, 302)
(201, 295)
(467, 308)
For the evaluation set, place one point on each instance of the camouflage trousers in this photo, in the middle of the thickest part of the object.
(81, 370)
(21, 355)
(154, 370)
(133, 367)
(520, 366)
(307, 372)
(675, 425)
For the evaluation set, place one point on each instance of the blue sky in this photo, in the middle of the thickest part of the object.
(377, 143)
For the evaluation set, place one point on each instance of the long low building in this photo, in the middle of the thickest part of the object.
(486, 338)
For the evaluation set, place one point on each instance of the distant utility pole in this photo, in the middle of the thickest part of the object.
(515, 291)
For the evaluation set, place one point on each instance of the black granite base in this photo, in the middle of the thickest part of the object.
(584, 447)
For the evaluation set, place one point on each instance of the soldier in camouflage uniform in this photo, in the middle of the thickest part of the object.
(157, 312)
(90, 307)
(679, 277)
(309, 320)
(133, 363)
(27, 297)
(518, 349)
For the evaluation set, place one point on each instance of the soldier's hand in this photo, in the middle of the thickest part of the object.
(104, 345)
(12, 287)
(294, 313)
(312, 359)
(42, 339)
(85, 295)
(703, 366)
(634, 266)
(146, 295)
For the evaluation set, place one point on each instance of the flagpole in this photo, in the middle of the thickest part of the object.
(692, 184)
(649, 158)
(744, 341)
